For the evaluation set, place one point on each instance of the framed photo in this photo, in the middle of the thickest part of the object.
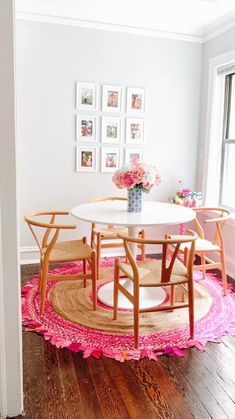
(86, 127)
(133, 155)
(112, 98)
(110, 159)
(86, 159)
(111, 130)
(86, 96)
(134, 131)
(135, 100)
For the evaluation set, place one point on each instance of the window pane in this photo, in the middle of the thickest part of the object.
(228, 196)
(231, 131)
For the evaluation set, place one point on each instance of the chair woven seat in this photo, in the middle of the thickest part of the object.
(150, 272)
(201, 245)
(69, 251)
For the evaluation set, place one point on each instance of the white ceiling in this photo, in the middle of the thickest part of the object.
(197, 20)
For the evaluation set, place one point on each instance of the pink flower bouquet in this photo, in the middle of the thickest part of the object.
(139, 176)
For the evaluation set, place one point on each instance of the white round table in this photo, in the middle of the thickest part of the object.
(115, 213)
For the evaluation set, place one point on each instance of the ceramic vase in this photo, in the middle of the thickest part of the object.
(134, 200)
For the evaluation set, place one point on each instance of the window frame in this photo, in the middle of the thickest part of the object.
(226, 140)
(211, 129)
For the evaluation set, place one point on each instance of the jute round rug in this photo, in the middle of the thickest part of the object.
(69, 321)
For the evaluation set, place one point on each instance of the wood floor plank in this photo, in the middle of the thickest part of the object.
(200, 385)
(171, 393)
(217, 371)
(214, 384)
(191, 399)
(71, 394)
(220, 356)
(131, 392)
(35, 389)
(54, 402)
(111, 402)
(91, 405)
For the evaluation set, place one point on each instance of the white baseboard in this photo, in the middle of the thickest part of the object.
(29, 255)
(230, 266)
(231, 274)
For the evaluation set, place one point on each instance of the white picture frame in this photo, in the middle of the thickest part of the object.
(112, 98)
(86, 159)
(110, 159)
(111, 129)
(135, 131)
(86, 128)
(135, 100)
(86, 96)
(131, 153)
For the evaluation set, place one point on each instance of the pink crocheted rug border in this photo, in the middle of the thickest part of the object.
(219, 320)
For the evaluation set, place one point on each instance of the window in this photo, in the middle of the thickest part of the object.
(227, 179)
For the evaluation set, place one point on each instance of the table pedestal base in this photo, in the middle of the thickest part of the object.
(149, 296)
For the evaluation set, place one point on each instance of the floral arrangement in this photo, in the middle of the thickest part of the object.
(187, 198)
(138, 176)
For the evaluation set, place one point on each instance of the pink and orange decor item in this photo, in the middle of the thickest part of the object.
(187, 198)
(136, 178)
(69, 321)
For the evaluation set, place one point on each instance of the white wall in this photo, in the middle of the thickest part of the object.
(50, 58)
(11, 391)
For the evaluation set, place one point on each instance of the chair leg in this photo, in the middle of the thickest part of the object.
(40, 277)
(136, 326)
(115, 289)
(98, 253)
(84, 271)
(94, 279)
(183, 296)
(92, 236)
(44, 286)
(142, 233)
(186, 256)
(203, 262)
(223, 271)
(191, 307)
(172, 295)
(136, 315)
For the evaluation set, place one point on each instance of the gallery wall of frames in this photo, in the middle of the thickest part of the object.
(110, 126)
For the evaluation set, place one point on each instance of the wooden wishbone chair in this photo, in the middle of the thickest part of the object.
(165, 272)
(53, 252)
(215, 246)
(106, 238)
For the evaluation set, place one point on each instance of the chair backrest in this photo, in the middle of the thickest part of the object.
(50, 229)
(168, 259)
(220, 216)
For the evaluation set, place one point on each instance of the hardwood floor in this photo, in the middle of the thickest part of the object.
(60, 384)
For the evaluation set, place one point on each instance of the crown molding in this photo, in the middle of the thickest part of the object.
(90, 24)
(210, 32)
(219, 27)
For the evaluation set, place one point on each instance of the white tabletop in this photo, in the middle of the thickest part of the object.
(115, 212)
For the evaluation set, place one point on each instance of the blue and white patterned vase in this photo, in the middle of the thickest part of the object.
(134, 200)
